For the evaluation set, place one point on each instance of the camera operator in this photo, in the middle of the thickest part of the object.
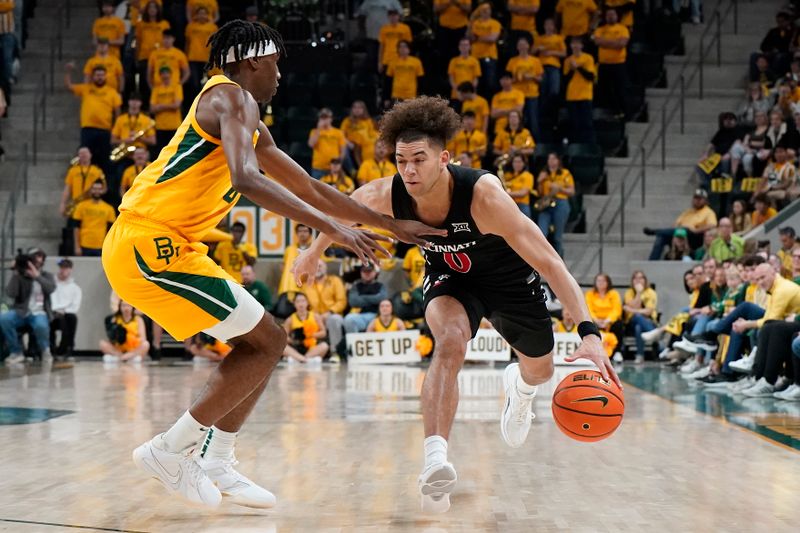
(29, 289)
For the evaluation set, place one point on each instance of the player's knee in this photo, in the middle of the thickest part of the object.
(272, 338)
(451, 343)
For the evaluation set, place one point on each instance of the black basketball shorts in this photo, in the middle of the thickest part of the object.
(515, 305)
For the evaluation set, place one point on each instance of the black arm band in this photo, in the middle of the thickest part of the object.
(588, 328)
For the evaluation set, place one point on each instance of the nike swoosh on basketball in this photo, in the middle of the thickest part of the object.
(602, 399)
(172, 479)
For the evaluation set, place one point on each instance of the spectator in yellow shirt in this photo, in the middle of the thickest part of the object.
(327, 297)
(128, 126)
(148, 32)
(326, 142)
(696, 220)
(519, 184)
(463, 68)
(523, 18)
(414, 267)
(92, 218)
(378, 167)
(612, 41)
(452, 17)
(507, 100)
(762, 210)
(210, 6)
(404, 70)
(234, 254)
(474, 103)
(170, 57)
(79, 180)
(789, 244)
(99, 106)
(514, 139)
(624, 9)
(579, 72)
(141, 158)
(576, 16)
(484, 31)
(527, 73)
(360, 132)
(391, 34)
(338, 179)
(555, 186)
(165, 104)
(469, 141)
(115, 77)
(551, 49)
(605, 305)
(111, 28)
(197, 51)
(303, 238)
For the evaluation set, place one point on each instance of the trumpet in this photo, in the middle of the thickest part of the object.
(73, 203)
(500, 163)
(125, 148)
(545, 202)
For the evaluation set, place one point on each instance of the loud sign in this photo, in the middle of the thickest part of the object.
(488, 345)
(383, 348)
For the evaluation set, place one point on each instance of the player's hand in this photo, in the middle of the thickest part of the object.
(591, 348)
(364, 243)
(304, 267)
(411, 231)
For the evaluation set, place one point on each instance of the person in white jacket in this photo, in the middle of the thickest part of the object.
(65, 301)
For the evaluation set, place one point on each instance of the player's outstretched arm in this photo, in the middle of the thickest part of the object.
(495, 212)
(376, 195)
(238, 119)
(288, 173)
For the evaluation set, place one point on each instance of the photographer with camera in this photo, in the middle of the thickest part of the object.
(29, 289)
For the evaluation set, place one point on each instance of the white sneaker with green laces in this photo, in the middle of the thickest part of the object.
(235, 487)
(515, 422)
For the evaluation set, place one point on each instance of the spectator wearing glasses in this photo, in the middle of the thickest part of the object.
(726, 245)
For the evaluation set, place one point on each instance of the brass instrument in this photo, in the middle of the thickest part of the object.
(500, 163)
(126, 148)
(73, 203)
(545, 202)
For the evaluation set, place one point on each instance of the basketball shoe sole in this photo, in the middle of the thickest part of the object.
(435, 485)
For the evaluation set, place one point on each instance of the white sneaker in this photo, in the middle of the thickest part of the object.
(436, 483)
(761, 389)
(110, 358)
(791, 394)
(743, 365)
(235, 487)
(15, 359)
(515, 421)
(782, 383)
(685, 345)
(690, 366)
(639, 360)
(178, 472)
(742, 384)
(664, 354)
(652, 336)
(47, 357)
(136, 360)
(699, 374)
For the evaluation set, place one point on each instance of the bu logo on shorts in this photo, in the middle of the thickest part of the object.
(164, 248)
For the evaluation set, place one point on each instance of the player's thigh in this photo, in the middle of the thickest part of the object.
(518, 311)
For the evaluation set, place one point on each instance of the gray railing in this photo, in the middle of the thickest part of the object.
(654, 136)
(45, 86)
(18, 195)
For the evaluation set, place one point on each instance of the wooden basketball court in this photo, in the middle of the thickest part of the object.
(342, 447)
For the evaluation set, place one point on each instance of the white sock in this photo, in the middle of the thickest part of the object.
(218, 444)
(184, 433)
(435, 450)
(524, 388)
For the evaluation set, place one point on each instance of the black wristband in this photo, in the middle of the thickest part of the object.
(588, 328)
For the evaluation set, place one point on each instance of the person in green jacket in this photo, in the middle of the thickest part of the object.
(257, 288)
(726, 245)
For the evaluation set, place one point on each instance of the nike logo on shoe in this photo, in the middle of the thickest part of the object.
(601, 399)
(173, 479)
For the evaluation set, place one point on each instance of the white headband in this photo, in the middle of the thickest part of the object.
(264, 48)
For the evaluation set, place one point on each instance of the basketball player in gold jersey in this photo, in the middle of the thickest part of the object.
(154, 257)
(488, 265)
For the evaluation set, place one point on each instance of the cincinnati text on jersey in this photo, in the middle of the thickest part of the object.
(445, 248)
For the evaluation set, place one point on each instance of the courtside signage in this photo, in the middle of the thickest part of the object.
(488, 345)
(565, 346)
(383, 348)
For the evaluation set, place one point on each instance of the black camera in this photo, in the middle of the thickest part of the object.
(21, 262)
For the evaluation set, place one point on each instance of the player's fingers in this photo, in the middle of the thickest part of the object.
(369, 246)
(373, 244)
(614, 375)
(377, 236)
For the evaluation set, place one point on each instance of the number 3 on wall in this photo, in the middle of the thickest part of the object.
(459, 261)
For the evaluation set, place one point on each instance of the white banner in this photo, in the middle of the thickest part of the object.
(488, 345)
(383, 348)
(566, 344)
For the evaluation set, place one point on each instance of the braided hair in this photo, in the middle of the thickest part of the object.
(240, 34)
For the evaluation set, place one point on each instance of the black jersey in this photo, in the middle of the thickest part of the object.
(465, 250)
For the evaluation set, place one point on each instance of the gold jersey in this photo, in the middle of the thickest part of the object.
(188, 187)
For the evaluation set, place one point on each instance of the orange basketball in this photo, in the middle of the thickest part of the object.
(586, 407)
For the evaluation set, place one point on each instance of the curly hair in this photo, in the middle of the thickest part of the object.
(425, 117)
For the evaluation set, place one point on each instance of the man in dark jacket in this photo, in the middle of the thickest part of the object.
(29, 290)
(364, 297)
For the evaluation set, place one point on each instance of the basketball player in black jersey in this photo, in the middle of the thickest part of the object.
(489, 265)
